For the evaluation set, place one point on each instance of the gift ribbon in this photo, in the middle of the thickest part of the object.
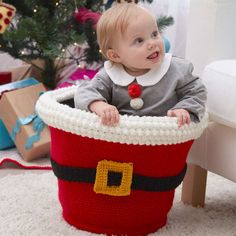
(38, 126)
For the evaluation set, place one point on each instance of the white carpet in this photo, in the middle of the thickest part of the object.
(29, 207)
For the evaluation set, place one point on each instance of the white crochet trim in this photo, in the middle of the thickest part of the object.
(144, 130)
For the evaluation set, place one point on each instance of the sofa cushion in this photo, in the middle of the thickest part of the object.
(219, 78)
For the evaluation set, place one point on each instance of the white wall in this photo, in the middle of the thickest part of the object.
(176, 33)
(211, 32)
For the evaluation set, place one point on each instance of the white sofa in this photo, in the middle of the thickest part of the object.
(215, 150)
(211, 39)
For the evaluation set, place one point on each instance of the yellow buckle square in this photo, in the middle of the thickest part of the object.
(101, 181)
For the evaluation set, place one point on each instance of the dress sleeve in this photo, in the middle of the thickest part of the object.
(191, 93)
(99, 88)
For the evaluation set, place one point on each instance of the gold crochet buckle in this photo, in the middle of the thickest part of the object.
(113, 178)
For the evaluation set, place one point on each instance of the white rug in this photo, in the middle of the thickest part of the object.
(29, 207)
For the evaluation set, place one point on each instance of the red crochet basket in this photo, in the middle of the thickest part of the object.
(116, 181)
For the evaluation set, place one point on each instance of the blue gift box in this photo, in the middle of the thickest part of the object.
(5, 139)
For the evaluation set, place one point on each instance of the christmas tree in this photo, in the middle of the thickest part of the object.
(43, 30)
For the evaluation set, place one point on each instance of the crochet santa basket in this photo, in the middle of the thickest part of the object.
(115, 180)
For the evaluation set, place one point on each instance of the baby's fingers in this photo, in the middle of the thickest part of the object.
(114, 119)
(183, 118)
(187, 118)
(105, 117)
(110, 117)
(180, 119)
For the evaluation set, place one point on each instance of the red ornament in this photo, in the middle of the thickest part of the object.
(134, 90)
(9, 13)
(84, 14)
(7, 21)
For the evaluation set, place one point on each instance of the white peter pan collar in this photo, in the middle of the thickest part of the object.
(120, 77)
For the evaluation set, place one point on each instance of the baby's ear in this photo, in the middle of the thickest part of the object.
(112, 55)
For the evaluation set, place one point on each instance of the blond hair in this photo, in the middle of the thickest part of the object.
(113, 22)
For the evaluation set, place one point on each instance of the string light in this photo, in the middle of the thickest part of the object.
(63, 50)
(76, 8)
(57, 3)
(35, 10)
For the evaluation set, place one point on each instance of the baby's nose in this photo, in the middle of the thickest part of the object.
(151, 44)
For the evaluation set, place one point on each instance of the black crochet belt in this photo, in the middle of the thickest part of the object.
(114, 178)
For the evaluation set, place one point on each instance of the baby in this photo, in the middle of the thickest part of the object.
(139, 78)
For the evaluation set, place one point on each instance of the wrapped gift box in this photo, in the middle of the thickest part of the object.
(5, 139)
(28, 132)
(5, 77)
(77, 77)
(21, 72)
(18, 84)
(19, 69)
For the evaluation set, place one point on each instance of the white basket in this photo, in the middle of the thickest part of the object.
(145, 130)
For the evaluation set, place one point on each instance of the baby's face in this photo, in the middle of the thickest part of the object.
(141, 47)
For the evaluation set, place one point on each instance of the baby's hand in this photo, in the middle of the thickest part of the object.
(182, 115)
(108, 113)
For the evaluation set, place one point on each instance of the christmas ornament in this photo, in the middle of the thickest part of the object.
(135, 91)
(7, 12)
(83, 14)
(167, 44)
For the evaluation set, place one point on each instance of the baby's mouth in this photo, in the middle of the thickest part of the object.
(153, 55)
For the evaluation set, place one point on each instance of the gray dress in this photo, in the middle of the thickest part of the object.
(178, 88)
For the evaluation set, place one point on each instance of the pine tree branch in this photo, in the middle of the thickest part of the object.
(164, 21)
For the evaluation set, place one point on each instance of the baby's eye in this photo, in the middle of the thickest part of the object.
(154, 34)
(138, 40)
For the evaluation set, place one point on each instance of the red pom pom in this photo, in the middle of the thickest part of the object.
(9, 13)
(134, 90)
(7, 21)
